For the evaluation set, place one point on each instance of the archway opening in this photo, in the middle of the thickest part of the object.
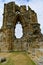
(18, 30)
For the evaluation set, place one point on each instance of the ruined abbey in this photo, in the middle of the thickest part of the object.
(31, 28)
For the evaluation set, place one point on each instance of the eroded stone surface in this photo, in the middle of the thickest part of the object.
(31, 28)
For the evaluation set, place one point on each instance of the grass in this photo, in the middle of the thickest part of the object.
(17, 58)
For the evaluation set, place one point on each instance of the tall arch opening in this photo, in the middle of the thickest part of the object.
(18, 30)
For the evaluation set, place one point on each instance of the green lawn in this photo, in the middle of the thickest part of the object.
(18, 58)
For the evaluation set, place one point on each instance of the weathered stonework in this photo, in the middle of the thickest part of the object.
(31, 28)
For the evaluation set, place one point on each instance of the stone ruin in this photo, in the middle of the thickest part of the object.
(31, 28)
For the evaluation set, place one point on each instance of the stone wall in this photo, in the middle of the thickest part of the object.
(31, 28)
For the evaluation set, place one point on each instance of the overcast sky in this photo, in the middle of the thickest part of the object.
(36, 5)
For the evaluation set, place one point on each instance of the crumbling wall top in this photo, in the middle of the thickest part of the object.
(21, 8)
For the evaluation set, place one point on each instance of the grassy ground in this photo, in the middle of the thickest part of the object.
(17, 58)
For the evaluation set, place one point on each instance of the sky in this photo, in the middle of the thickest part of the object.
(18, 30)
(36, 5)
